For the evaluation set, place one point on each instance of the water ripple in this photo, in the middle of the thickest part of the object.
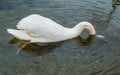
(71, 57)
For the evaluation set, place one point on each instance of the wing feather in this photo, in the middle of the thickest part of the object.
(40, 26)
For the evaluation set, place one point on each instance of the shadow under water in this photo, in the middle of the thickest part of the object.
(40, 49)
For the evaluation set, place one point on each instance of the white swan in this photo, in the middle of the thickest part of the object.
(36, 28)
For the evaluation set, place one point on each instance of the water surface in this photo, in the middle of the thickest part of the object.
(71, 57)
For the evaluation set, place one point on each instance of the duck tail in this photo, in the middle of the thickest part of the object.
(20, 34)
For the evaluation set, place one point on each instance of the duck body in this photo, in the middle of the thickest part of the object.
(36, 28)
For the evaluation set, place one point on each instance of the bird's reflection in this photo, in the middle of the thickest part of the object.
(35, 49)
(84, 42)
(39, 49)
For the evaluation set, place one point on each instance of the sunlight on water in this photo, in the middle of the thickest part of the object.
(78, 56)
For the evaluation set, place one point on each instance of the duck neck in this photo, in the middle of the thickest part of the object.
(76, 31)
(85, 25)
(81, 26)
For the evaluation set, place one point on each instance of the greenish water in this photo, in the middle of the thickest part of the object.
(71, 57)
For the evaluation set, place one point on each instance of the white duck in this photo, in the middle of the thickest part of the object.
(36, 28)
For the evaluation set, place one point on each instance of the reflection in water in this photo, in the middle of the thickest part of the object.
(68, 57)
(35, 49)
(39, 49)
(84, 42)
(115, 3)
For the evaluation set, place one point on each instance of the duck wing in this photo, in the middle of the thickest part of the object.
(39, 26)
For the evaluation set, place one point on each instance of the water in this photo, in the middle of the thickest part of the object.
(71, 57)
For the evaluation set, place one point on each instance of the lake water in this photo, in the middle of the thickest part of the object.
(72, 57)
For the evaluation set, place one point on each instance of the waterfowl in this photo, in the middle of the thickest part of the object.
(37, 28)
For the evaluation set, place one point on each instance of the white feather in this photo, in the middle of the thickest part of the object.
(37, 28)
